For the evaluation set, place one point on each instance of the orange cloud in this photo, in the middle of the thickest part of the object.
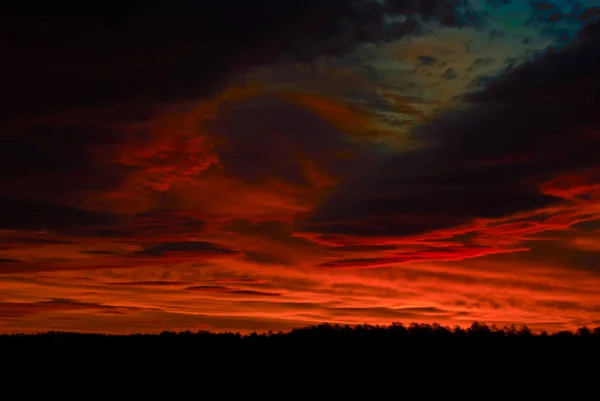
(502, 292)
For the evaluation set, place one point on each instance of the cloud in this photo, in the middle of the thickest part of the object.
(155, 225)
(237, 280)
(97, 252)
(111, 144)
(420, 254)
(191, 247)
(59, 154)
(230, 291)
(517, 158)
(309, 152)
(148, 283)
(9, 260)
(23, 309)
(270, 242)
(86, 131)
(116, 62)
(26, 214)
(488, 289)
(123, 255)
(400, 314)
(255, 293)
(147, 166)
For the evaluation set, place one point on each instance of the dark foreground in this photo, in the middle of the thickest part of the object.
(320, 354)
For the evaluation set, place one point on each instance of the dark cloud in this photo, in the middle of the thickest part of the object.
(453, 12)
(27, 214)
(75, 75)
(567, 305)
(26, 239)
(147, 283)
(270, 258)
(268, 137)
(590, 13)
(189, 247)
(76, 56)
(20, 268)
(162, 50)
(255, 293)
(489, 159)
(427, 60)
(560, 253)
(425, 190)
(155, 224)
(481, 62)
(592, 225)
(99, 252)
(55, 155)
(449, 74)
(236, 280)
(23, 309)
(364, 248)
(269, 229)
(9, 260)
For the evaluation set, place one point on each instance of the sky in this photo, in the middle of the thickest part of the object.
(266, 165)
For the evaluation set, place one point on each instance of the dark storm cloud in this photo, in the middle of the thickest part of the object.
(536, 123)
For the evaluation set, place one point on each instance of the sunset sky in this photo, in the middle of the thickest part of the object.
(264, 165)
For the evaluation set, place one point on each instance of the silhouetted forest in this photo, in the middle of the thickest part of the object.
(328, 338)
(311, 358)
